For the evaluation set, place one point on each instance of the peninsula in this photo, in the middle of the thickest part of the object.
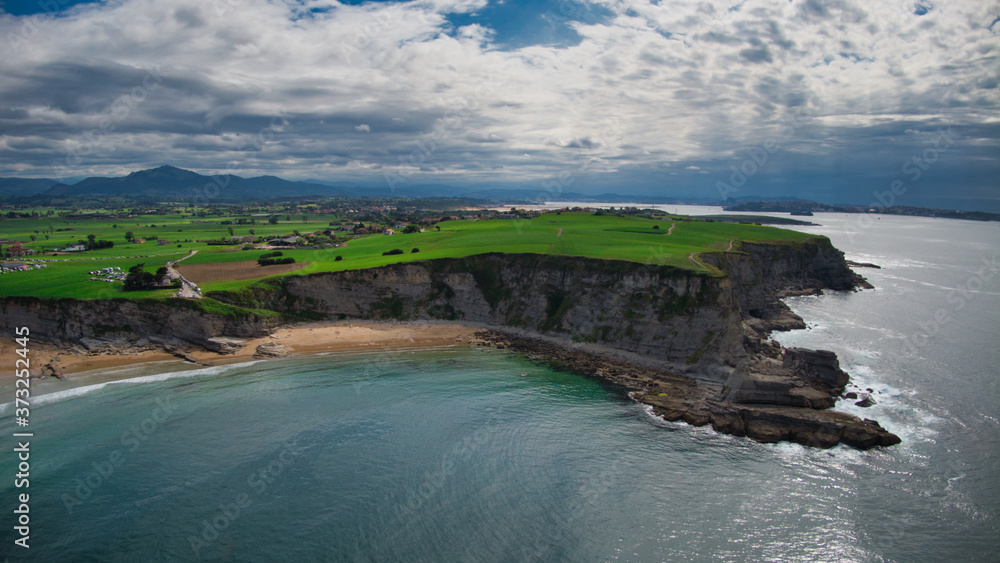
(677, 310)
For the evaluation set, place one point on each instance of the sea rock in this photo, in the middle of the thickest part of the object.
(180, 353)
(821, 364)
(854, 264)
(271, 350)
(729, 423)
(766, 431)
(865, 401)
(224, 344)
(53, 369)
(696, 417)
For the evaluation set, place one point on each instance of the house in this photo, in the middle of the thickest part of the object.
(243, 239)
(290, 240)
(140, 241)
(162, 241)
(389, 231)
(75, 248)
(17, 249)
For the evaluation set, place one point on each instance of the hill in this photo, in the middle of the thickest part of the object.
(25, 186)
(177, 183)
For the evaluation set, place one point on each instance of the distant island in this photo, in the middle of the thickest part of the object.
(807, 208)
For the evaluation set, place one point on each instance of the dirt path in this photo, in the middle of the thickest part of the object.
(695, 261)
(730, 249)
(190, 254)
(559, 234)
(670, 231)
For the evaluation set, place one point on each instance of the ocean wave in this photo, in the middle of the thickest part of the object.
(72, 393)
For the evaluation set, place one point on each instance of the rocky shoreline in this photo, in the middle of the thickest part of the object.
(678, 397)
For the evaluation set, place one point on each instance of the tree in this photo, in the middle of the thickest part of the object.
(230, 231)
(272, 220)
(411, 228)
(129, 236)
(33, 238)
(138, 278)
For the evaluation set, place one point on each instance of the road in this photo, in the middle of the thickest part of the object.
(187, 290)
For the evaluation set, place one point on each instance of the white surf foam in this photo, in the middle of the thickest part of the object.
(66, 394)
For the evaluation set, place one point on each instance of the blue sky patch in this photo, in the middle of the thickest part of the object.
(30, 7)
(521, 23)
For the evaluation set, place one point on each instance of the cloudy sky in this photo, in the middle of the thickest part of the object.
(828, 99)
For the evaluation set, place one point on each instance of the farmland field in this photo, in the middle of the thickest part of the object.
(233, 271)
(630, 238)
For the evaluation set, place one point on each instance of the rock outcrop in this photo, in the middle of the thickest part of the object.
(270, 350)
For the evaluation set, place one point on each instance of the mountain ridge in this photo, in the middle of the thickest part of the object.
(157, 182)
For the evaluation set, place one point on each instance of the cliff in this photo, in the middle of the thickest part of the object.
(686, 319)
(126, 325)
(704, 335)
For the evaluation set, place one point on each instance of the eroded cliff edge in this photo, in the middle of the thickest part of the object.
(694, 343)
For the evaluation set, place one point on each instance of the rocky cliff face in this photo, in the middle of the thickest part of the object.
(691, 321)
(763, 273)
(111, 324)
(681, 317)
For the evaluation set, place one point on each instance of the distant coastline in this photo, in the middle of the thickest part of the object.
(806, 208)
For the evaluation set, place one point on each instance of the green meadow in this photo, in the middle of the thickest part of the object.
(635, 239)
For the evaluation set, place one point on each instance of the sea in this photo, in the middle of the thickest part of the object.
(451, 454)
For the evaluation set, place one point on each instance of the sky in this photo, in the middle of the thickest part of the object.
(833, 100)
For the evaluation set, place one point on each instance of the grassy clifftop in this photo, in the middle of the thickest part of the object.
(665, 241)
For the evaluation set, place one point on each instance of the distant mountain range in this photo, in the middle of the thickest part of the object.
(169, 183)
(172, 182)
(24, 186)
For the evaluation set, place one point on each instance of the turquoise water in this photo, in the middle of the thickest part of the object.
(451, 455)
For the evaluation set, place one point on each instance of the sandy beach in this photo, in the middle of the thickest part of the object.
(341, 336)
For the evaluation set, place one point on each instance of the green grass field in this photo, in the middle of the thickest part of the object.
(572, 234)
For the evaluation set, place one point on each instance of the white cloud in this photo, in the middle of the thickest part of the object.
(674, 82)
